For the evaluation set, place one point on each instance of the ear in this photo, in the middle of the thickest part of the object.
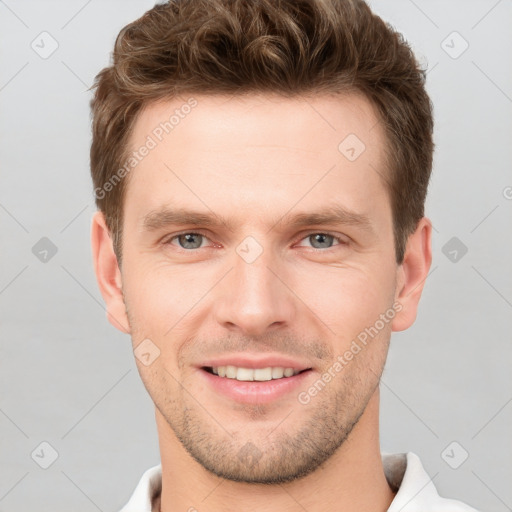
(108, 274)
(412, 274)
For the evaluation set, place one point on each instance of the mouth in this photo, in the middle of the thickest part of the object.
(253, 374)
(256, 385)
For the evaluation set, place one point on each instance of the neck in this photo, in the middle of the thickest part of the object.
(352, 480)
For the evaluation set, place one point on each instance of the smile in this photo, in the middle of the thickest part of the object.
(255, 385)
(253, 374)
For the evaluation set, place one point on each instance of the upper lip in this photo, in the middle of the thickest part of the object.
(256, 361)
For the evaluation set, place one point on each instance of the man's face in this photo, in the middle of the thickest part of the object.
(260, 290)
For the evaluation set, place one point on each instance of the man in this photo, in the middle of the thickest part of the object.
(260, 170)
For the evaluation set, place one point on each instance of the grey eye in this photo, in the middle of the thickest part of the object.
(190, 240)
(324, 241)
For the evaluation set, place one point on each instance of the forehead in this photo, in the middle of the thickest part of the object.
(256, 152)
(257, 118)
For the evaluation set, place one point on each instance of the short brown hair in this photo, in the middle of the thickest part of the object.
(288, 47)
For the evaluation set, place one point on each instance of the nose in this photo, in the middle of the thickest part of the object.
(254, 298)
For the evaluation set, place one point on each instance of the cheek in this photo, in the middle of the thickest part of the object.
(158, 304)
(159, 297)
(348, 300)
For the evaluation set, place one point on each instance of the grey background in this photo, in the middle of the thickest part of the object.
(68, 378)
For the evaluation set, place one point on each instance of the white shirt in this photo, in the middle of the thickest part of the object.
(404, 472)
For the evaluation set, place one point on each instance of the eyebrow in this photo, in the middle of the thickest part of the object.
(335, 215)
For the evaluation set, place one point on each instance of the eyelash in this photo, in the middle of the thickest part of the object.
(339, 239)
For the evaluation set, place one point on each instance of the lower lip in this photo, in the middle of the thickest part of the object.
(255, 392)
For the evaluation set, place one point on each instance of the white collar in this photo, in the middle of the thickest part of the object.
(404, 472)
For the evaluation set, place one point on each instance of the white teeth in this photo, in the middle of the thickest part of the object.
(288, 372)
(277, 372)
(245, 374)
(231, 372)
(252, 374)
(263, 374)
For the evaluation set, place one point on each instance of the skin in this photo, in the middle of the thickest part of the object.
(252, 160)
